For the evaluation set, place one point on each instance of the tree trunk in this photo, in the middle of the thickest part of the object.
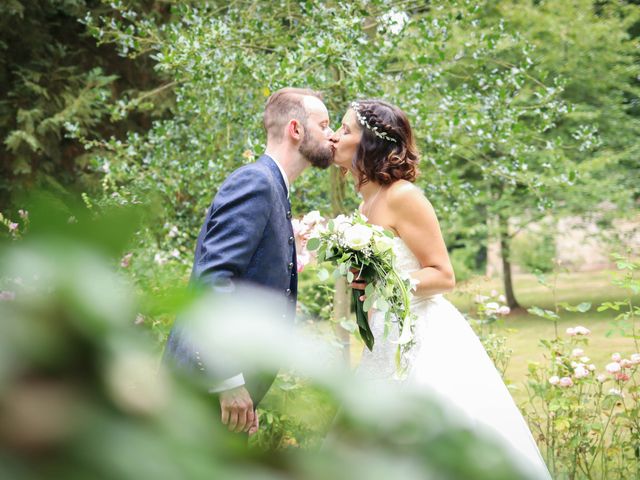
(342, 295)
(505, 253)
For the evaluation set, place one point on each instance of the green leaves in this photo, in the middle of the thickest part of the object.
(582, 307)
(548, 314)
(313, 244)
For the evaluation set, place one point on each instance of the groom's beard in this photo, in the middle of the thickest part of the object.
(316, 154)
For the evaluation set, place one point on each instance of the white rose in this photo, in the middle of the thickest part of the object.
(341, 223)
(312, 217)
(554, 380)
(357, 236)
(382, 243)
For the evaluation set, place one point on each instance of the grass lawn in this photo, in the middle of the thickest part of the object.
(523, 330)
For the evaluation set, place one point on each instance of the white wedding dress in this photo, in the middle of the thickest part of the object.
(449, 361)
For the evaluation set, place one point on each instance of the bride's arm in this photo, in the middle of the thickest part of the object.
(417, 225)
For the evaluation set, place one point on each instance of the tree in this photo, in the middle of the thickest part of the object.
(58, 86)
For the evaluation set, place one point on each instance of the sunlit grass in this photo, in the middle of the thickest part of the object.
(524, 331)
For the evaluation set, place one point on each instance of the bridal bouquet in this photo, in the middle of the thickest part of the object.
(353, 245)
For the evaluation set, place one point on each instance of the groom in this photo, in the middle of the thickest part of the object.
(247, 236)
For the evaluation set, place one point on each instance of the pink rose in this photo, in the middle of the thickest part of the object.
(625, 363)
(504, 310)
(616, 357)
(13, 226)
(303, 260)
(566, 382)
(580, 330)
(635, 358)
(613, 367)
(571, 331)
(7, 296)
(623, 377)
(580, 371)
(601, 377)
(577, 352)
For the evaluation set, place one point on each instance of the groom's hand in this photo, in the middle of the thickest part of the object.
(237, 409)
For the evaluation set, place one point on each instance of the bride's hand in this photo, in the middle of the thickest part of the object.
(358, 283)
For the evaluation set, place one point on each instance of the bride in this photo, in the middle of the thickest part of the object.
(375, 143)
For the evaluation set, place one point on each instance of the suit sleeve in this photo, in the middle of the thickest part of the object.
(234, 228)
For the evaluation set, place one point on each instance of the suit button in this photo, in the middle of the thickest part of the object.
(287, 292)
(290, 266)
(290, 240)
(289, 214)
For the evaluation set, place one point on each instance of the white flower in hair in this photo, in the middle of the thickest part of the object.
(363, 121)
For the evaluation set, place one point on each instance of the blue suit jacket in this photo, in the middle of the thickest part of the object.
(246, 238)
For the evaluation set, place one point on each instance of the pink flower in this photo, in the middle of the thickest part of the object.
(571, 331)
(566, 382)
(616, 357)
(554, 380)
(502, 298)
(504, 310)
(623, 377)
(625, 363)
(601, 377)
(303, 260)
(491, 308)
(13, 226)
(7, 296)
(297, 226)
(581, 371)
(613, 367)
(591, 367)
(635, 358)
(494, 293)
(126, 260)
(577, 352)
(580, 330)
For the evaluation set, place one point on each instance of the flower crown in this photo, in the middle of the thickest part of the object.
(363, 121)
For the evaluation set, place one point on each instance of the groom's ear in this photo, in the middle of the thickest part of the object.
(295, 129)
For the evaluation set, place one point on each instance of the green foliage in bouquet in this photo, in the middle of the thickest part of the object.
(358, 249)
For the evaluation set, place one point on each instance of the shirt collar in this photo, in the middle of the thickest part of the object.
(284, 174)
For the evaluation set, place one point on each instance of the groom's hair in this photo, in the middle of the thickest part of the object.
(282, 106)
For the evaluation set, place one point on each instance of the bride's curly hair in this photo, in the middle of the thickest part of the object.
(383, 160)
